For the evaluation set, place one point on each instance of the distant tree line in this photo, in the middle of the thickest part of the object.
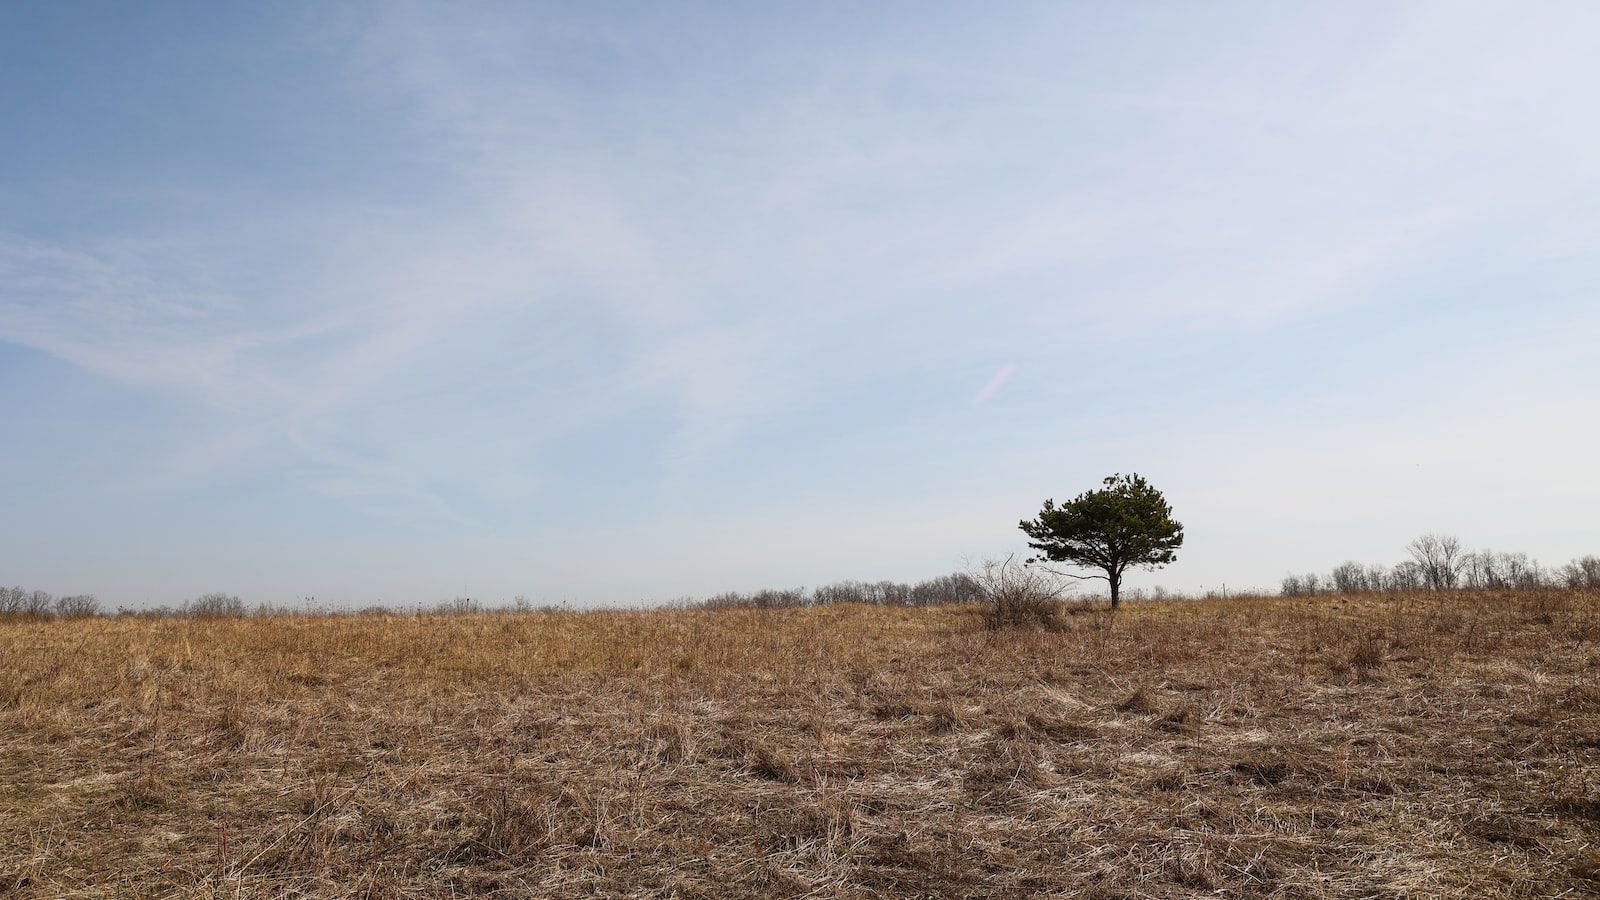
(17, 601)
(1439, 563)
(944, 590)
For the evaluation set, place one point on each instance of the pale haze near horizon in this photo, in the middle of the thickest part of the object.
(602, 304)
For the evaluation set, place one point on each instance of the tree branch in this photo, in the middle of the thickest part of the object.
(1068, 574)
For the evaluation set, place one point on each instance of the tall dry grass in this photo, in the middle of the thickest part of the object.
(1438, 745)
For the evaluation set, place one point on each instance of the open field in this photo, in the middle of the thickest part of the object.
(1426, 745)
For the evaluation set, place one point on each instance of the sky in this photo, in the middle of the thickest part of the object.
(610, 303)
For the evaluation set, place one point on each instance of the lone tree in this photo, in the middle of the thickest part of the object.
(1126, 523)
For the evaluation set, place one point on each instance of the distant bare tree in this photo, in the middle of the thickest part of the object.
(946, 590)
(1351, 578)
(1377, 577)
(77, 606)
(1307, 585)
(839, 592)
(1518, 571)
(212, 606)
(1490, 570)
(1583, 572)
(778, 598)
(891, 593)
(1439, 563)
(1439, 560)
(1477, 570)
(1406, 576)
(38, 603)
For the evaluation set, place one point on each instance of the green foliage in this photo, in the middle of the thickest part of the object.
(1125, 523)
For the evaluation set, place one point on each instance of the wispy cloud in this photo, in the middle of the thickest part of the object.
(993, 385)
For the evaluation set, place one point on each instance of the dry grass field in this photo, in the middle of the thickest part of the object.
(1427, 745)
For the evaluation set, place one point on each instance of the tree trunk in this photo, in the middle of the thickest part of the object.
(1116, 584)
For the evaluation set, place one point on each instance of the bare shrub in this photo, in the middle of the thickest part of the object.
(1368, 651)
(1018, 595)
(459, 606)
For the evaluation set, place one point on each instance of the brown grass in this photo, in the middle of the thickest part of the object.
(1412, 746)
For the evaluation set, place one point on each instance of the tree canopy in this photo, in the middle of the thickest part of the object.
(1125, 523)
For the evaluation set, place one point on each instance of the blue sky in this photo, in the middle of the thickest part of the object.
(604, 303)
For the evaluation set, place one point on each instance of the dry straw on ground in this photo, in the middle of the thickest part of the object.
(1415, 746)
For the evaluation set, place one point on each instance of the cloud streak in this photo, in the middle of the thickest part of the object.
(993, 385)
